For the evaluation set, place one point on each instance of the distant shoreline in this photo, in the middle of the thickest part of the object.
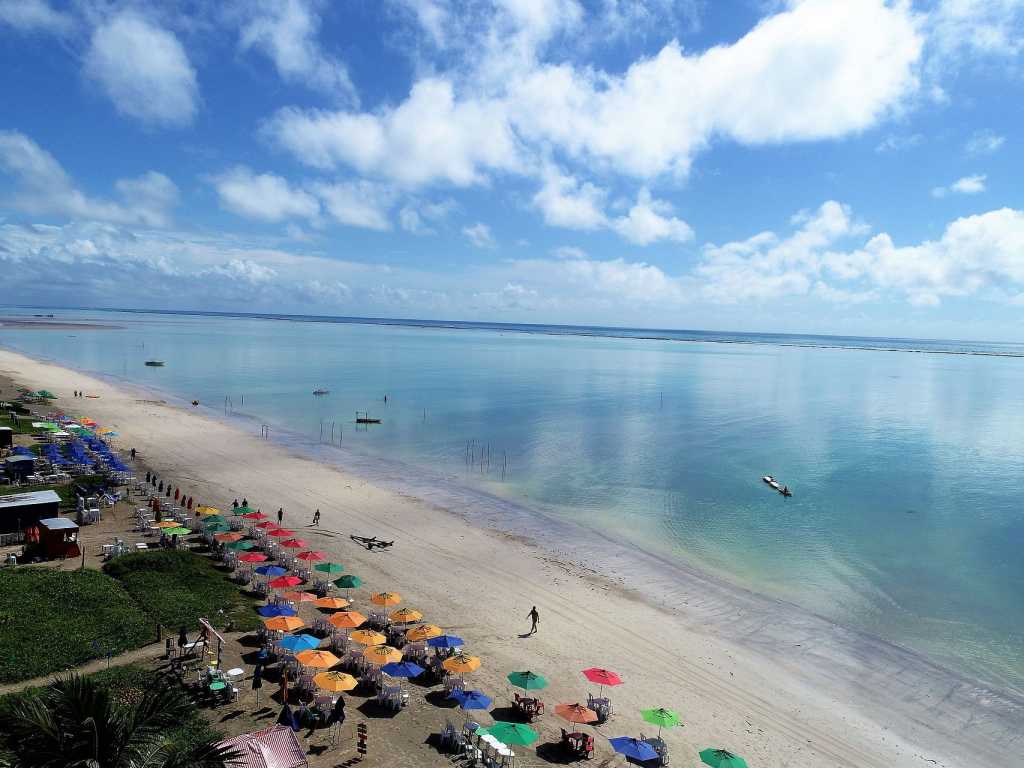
(44, 324)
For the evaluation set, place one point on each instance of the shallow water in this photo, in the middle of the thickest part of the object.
(906, 468)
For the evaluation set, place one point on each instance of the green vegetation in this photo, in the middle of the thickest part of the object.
(50, 619)
(177, 588)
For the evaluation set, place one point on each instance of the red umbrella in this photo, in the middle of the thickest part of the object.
(266, 525)
(285, 581)
(255, 516)
(309, 555)
(293, 543)
(281, 533)
(602, 677)
(252, 557)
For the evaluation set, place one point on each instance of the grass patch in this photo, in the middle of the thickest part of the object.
(177, 588)
(50, 619)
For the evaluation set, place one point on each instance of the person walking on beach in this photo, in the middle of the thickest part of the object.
(280, 515)
(534, 618)
(316, 518)
(133, 454)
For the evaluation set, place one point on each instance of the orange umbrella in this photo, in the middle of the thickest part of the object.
(332, 603)
(460, 663)
(299, 597)
(382, 654)
(319, 659)
(368, 637)
(284, 623)
(167, 524)
(347, 619)
(386, 599)
(423, 632)
(335, 681)
(406, 615)
(228, 538)
(576, 713)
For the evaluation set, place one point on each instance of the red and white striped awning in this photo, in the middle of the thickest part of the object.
(274, 747)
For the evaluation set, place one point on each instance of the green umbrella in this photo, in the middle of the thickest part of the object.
(528, 681)
(242, 544)
(661, 717)
(179, 530)
(348, 581)
(329, 568)
(218, 528)
(511, 733)
(47, 394)
(242, 511)
(722, 758)
(213, 520)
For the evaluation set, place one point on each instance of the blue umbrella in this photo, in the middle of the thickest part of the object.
(472, 700)
(295, 643)
(269, 611)
(633, 748)
(402, 669)
(446, 641)
(271, 570)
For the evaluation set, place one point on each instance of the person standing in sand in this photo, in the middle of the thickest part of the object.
(280, 515)
(534, 618)
(316, 518)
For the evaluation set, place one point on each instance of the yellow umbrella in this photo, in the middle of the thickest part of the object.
(406, 615)
(423, 632)
(167, 524)
(368, 637)
(204, 510)
(335, 681)
(284, 623)
(332, 603)
(347, 619)
(460, 663)
(319, 659)
(386, 599)
(382, 654)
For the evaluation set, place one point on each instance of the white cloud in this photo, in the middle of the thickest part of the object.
(419, 217)
(357, 203)
(144, 70)
(650, 220)
(968, 185)
(43, 187)
(984, 142)
(897, 143)
(35, 16)
(286, 31)
(977, 27)
(566, 202)
(263, 196)
(479, 234)
(569, 252)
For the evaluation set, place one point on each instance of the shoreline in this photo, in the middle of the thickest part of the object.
(736, 661)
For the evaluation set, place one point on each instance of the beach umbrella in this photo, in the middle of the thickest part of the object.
(381, 654)
(281, 533)
(284, 623)
(661, 717)
(367, 636)
(461, 663)
(332, 603)
(297, 643)
(528, 681)
(471, 699)
(283, 582)
(266, 525)
(179, 531)
(270, 611)
(242, 545)
(166, 524)
(335, 682)
(635, 749)
(423, 632)
(210, 520)
(228, 538)
(239, 511)
(406, 615)
(299, 597)
(293, 543)
(254, 516)
(348, 581)
(252, 557)
(329, 568)
(402, 669)
(271, 570)
(602, 677)
(347, 619)
(446, 641)
(309, 555)
(576, 713)
(218, 528)
(386, 599)
(511, 733)
(721, 758)
(317, 659)
(203, 509)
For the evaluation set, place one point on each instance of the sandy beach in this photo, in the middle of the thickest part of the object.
(775, 684)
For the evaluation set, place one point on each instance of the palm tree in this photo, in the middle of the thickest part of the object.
(74, 723)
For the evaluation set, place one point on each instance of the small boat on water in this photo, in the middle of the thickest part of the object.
(319, 392)
(155, 363)
(363, 417)
(773, 483)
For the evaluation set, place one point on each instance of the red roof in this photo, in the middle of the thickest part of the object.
(273, 747)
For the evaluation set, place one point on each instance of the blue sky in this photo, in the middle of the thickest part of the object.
(843, 166)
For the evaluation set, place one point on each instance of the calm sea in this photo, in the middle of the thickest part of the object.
(905, 457)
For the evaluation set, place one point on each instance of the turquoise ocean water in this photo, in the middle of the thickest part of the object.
(906, 457)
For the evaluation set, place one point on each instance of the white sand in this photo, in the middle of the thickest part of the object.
(764, 679)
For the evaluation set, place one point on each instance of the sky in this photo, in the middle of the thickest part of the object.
(821, 166)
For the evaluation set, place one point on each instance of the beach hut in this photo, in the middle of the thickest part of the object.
(273, 747)
(6, 437)
(19, 467)
(58, 538)
(20, 510)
